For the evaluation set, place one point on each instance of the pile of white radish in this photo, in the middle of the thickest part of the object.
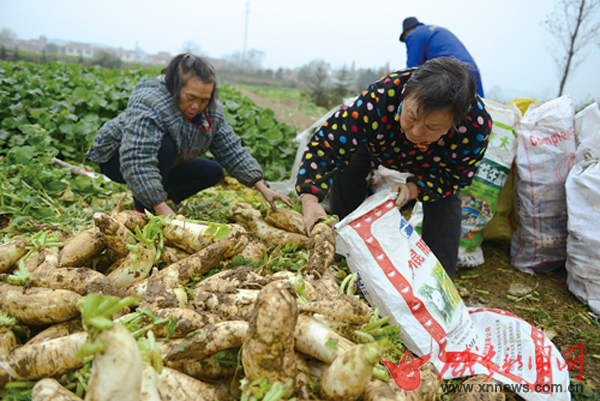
(99, 321)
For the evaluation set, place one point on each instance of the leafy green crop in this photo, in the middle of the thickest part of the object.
(32, 188)
(269, 141)
(68, 101)
(71, 102)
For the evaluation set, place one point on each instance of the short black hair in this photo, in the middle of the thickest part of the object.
(441, 84)
(184, 66)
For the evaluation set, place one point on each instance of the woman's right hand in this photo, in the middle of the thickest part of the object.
(162, 209)
(313, 211)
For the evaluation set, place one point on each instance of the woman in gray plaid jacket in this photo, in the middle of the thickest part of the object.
(153, 146)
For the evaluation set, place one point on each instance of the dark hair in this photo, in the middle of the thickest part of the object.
(441, 84)
(184, 66)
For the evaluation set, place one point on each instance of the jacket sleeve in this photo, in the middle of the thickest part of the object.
(330, 149)
(141, 141)
(465, 149)
(227, 148)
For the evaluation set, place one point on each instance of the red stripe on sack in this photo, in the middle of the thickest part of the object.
(362, 226)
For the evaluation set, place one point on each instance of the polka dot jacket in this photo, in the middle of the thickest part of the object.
(439, 169)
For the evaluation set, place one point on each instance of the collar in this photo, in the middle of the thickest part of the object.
(206, 124)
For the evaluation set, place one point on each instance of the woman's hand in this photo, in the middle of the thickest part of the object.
(162, 209)
(406, 192)
(271, 196)
(313, 212)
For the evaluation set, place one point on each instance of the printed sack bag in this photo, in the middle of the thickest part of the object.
(583, 192)
(399, 274)
(545, 154)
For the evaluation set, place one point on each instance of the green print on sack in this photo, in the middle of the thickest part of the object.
(479, 202)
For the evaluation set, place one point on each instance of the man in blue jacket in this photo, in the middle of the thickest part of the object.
(425, 42)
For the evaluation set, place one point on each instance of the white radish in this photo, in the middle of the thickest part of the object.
(322, 244)
(187, 321)
(135, 266)
(56, 330)
(237, 305)
(231, 279)
(206, 369)
(177, 386)
(191, 237)
(36, 306)
(181, 295)
(82, 248)
(325, 285)
(149, 389)
(350, 373)
(171, 254)
(10, 253)
(378, 390)
(245, 213)
(268, 350)
(77, 279)
(131, 219)
(208, 341)
(318, 340)
(117, 372)
(343, 307)
(197, 264)
(51, 390)
(116, 235)
(8, 341)
(286, 219)
(39, 360)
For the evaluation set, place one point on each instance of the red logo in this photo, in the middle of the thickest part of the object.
(573, 360)
(406, 374)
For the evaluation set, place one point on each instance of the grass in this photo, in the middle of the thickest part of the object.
(294, 97)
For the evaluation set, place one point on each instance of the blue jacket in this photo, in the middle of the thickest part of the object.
(426, 42)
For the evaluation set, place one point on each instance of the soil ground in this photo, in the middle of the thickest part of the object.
(285, 110)
(550, 307)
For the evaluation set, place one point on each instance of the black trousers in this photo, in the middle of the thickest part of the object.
(180, 182)
(441, 219)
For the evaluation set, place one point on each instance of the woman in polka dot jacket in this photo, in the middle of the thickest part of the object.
(426, 121)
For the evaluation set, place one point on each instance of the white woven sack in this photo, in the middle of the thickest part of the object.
(545, 154)
(583, 192)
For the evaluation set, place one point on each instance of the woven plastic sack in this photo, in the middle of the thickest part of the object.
(583, 192)
(545, 154)
(480, 199)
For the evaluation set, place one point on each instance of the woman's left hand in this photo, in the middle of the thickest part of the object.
(406, 192)
(271, 196)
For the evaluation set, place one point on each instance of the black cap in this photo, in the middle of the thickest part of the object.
(407, 24)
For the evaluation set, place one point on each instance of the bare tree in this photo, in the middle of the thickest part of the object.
(319, 83)
(343, 82)
(249, 62)
(573, 23)
(191, 47)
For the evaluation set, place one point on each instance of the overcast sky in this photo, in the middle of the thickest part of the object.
(506, 37)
